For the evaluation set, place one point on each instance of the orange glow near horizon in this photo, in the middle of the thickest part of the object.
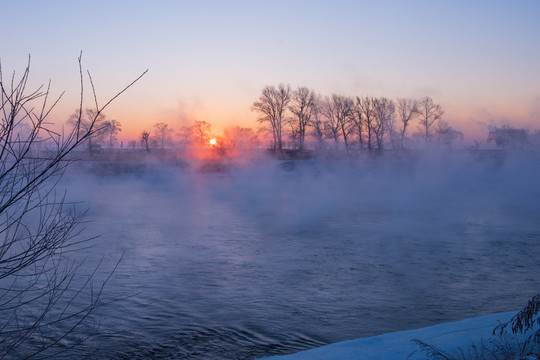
(135, 120)
(472, 120)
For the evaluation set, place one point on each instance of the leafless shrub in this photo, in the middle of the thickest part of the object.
(44, 296)
(495, 349)
(524, 322)
(523, 343)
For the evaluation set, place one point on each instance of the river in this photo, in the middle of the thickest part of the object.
(272, 259)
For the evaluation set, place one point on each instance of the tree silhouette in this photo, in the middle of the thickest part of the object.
(429, 114)
(303, 102)
(145, 138)
(271, 106)
(407, 110)
(383, 120)
(201, 130)
(366, 107)
(112, 127)
(163, 133)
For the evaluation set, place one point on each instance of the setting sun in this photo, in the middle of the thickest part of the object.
(212, 141)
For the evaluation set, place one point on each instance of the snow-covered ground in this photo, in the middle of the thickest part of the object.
(398, 345)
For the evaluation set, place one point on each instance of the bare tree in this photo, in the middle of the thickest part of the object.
(302, 106)
(185, 134)
(358, 122)
(38, 292)
(318, 123)
(407, 110)
(145, 138)
(383, 120)
(332, 126)
(271, 106)
(86, 120)
(446, 135)
(163, 133)
(343, 106)
(111, 128)
(201, 130)
(429, 114)
(239, 138)
(294, 134)
(366, 106)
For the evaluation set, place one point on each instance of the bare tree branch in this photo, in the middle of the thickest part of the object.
(38, 286)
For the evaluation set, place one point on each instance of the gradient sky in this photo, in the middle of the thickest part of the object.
(208, 60)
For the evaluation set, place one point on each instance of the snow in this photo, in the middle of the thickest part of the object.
(398, 345)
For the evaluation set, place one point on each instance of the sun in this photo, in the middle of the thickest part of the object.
(212, 141)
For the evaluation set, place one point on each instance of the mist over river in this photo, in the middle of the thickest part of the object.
(275, 257)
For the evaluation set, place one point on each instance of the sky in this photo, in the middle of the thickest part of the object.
(209, 60)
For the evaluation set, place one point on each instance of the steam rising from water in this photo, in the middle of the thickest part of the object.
(278, 256)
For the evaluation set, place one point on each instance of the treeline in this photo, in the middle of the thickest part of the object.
(508, 137)
(104, 134)
(364, 123)
(198, 134)
(300, 119)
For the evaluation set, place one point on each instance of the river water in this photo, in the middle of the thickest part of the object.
(273, 259)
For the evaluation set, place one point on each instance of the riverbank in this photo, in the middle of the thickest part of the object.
(448, 336)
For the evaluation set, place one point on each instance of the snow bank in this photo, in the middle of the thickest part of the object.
(398, 345)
